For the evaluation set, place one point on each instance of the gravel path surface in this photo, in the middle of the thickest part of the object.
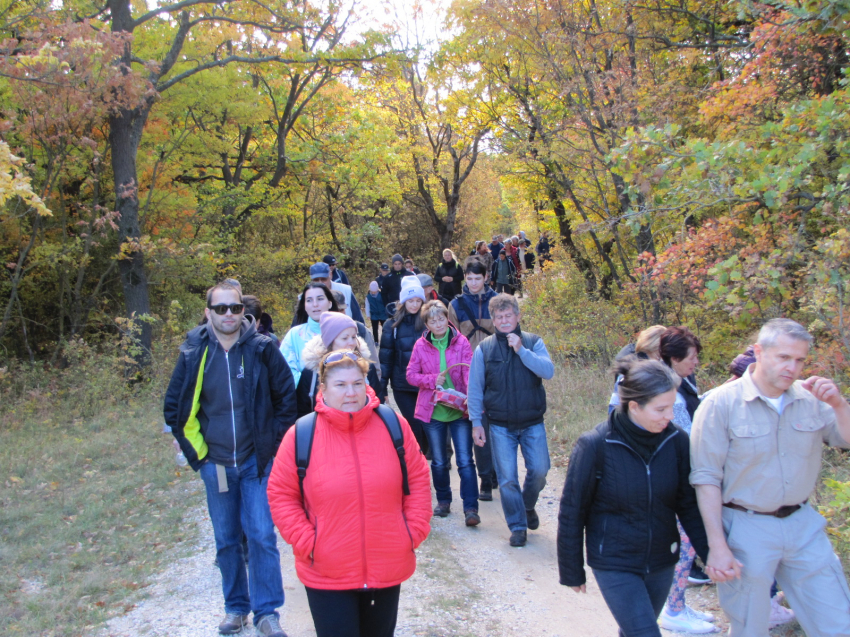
(469, 581)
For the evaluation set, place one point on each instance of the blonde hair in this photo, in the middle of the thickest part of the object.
(454, 258)
(432, 309)
(649, 341)
(344, 363)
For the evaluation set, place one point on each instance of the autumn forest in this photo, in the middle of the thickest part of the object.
(690, 160)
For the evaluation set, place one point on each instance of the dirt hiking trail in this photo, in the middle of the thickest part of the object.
(468, 581)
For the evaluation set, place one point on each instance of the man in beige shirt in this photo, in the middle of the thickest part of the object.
(756, 450)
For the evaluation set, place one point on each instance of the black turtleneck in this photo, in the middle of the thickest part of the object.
(642, 441)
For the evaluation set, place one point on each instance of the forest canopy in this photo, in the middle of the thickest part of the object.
(689, 160)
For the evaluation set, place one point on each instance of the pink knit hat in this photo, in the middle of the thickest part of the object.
(332, 325)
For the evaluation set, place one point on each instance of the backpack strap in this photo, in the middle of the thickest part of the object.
(394, 428)
(305, 428)
(475, 326)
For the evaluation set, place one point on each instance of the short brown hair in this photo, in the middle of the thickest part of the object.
(224, 285)
(675, 343)
(502, 302)
(432, 309)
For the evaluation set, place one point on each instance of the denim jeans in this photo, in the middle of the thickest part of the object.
(635, 600)
(461, 431)
(535, 452)
(245, 507)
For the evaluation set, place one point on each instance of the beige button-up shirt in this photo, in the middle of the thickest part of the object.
(760, 459)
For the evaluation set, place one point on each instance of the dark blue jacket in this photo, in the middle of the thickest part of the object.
(397, 343)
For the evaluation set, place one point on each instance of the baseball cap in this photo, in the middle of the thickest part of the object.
(320, 271)
(329, 259)
(385, 266)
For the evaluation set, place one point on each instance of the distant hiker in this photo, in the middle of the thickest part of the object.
(230, 400)
(376, 311)
(315, 300)
(626, 484)
(449, 276)
(470, 313)
(337, 275)
(427, 284)
(321, 273)
(484, 255)
(544, 249)
(263, 320)
(440, 360)
(338, 331)
(352, 529)
(400, 334)
(756, 451)
(384, 271)
(411, 267)
(495, 247)
(506, 383)
(391, 284)
(504, 274)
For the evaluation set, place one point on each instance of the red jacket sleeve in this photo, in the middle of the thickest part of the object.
(285, 499)
(417, 505)
(415, 368)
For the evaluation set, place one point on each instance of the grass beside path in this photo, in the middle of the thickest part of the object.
(89, 507)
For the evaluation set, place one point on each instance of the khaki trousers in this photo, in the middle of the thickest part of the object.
(797, 552)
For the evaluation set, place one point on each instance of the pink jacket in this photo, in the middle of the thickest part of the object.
(424, 367)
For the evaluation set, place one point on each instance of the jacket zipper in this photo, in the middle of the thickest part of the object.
(649, 487)
(360, 499)
(232, 412)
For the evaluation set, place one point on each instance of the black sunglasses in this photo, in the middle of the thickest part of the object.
(221, 308)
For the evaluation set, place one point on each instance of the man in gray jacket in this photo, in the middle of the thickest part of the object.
(506, 383)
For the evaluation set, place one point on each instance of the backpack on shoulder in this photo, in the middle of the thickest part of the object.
(305, 428)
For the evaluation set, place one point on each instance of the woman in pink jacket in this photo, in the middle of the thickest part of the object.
(354, 532)
(442, 347)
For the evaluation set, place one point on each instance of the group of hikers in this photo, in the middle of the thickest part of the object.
(298, 434)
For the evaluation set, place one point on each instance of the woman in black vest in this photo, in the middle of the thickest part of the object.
(449, 276)
(397, 340)
(627, 482)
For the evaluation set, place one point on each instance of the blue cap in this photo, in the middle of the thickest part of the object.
(320, 271)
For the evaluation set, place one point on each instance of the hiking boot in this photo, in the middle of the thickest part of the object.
(485, 493)
(519, 538)
(698, 576)
(232, 623)
(472, 517)
(778, 613)
(684, 622)
(269, 626)
(442, 509)
(532, 519)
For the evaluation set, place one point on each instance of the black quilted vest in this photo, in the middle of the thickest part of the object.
(514, 396)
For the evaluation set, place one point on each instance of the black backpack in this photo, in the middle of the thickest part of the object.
(305, 427)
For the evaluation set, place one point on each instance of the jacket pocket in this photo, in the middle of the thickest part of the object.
(750, 441)
(602, 538)
(407, 528)
(315, 539)
(805, 436)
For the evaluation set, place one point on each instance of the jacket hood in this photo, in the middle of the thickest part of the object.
(315, 350)
(341, 419)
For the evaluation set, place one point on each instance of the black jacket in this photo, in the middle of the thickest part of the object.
(625, 507)
(269, 398)
(450, 289)
(397, 343)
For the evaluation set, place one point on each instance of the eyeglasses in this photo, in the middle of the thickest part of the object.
(221, 308)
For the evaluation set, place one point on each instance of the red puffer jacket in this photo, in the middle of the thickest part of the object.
(362, 530)
(424, 367)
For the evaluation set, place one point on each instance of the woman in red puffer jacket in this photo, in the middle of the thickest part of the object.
(354, 534)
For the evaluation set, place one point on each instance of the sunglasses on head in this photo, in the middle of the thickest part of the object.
(335, 357)
(221, 308)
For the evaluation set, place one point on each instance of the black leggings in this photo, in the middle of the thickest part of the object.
(375, 325)
(406, 401)
(354, 613)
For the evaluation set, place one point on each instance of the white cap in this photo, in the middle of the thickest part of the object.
(410, 289)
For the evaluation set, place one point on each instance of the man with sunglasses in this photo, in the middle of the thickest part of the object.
(230, 400)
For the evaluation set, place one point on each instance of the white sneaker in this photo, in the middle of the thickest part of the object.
(778, 613)
(698, 614)
(684, 622)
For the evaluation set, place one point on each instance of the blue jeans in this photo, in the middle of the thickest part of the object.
(461, 431)
(535, 452)
(245, 507)
(635, 600)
